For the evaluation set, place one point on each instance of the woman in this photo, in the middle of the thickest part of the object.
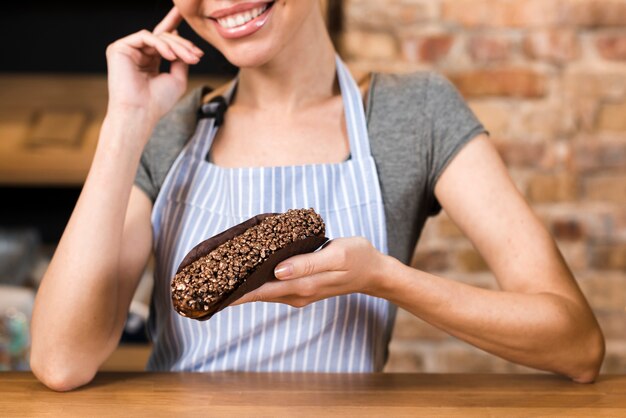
(296, 135)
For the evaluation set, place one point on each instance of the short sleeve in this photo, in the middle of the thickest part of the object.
(144, 178)
(166, 142)
(453, 125)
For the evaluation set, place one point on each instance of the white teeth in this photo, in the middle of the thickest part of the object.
(239, 19)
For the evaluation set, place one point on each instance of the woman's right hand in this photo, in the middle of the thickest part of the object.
(136, 87)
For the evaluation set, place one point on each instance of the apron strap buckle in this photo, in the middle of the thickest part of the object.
(214, 109)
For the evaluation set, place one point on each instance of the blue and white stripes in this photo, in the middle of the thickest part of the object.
(199, 199)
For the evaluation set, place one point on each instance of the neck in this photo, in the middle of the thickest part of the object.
(303, 73)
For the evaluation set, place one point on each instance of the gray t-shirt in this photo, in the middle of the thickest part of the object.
(416, 122)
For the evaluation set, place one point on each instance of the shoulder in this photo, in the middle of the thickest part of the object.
(180, 119)
(170, 134)
(420, 88)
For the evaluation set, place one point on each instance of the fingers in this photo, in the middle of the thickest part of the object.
(169, 46)
(331, 257)
(297, 293)
(144, 40)
(179, 70)
(169, 23)
(182, 47)
(163, 42)
(175, 37)
(269, 292)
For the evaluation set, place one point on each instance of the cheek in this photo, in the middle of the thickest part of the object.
(186, 7)
(193, 14)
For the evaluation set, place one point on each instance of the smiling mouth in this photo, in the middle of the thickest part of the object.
(236, 20)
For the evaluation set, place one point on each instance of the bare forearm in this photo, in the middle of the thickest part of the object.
(77, 316)
(544, 331)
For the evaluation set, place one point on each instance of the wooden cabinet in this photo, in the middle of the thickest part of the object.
(49, 126)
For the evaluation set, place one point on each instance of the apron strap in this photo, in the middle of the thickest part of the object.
(210, 117)
(354, 111)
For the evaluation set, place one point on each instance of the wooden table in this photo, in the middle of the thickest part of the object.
(271, 395)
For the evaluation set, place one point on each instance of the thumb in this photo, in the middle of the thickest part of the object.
(180, 70)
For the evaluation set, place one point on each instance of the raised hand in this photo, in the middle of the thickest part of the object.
(135, 83)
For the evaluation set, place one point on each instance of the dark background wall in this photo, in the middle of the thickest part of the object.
(62, 36)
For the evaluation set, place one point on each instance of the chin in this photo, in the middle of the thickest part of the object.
(255, 51)
(248, 56)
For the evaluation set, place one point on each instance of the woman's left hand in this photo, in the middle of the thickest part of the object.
(345, 265)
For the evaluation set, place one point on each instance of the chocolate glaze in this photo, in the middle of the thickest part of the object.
(260, 275)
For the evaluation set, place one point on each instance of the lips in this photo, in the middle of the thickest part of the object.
(241, 20)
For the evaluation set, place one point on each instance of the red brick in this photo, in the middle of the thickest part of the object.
(466, 12)
(606, 291)
(501, 13)
(410, 327)
(606, 188)
(470, 261)
(482, 279)
(612, 47)
(457, 358)
(567, 229)
(430, 48)
(519, 369)
(494, 115)
(586, 87)
(535, 13)
(369, 45)
(592, 13)
(552, 45)
(598, 223)
(559, 187)
(612, 322)
(612, 117)
(431, 260)
(615, 359)
(610, 257)
(489, 48)
(544, 120)
(575, 254)
(448, 229)
(387, 16)
(405, 358)
(407, 14)
(595, 82)
(521, 153)
(593, 156)
(501, 82)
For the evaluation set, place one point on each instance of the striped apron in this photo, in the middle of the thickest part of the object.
(348, 333)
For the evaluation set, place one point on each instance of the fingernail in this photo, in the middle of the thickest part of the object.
(283, 271)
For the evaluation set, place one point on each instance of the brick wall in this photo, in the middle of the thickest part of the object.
(548, 79)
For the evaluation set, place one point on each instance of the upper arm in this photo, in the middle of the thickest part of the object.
(136, 243)
(478, 194)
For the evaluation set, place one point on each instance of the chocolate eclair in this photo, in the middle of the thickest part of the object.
(223, 268)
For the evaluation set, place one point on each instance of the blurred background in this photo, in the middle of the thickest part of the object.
(546, 77)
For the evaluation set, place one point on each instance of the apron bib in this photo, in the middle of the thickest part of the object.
(198, 199)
